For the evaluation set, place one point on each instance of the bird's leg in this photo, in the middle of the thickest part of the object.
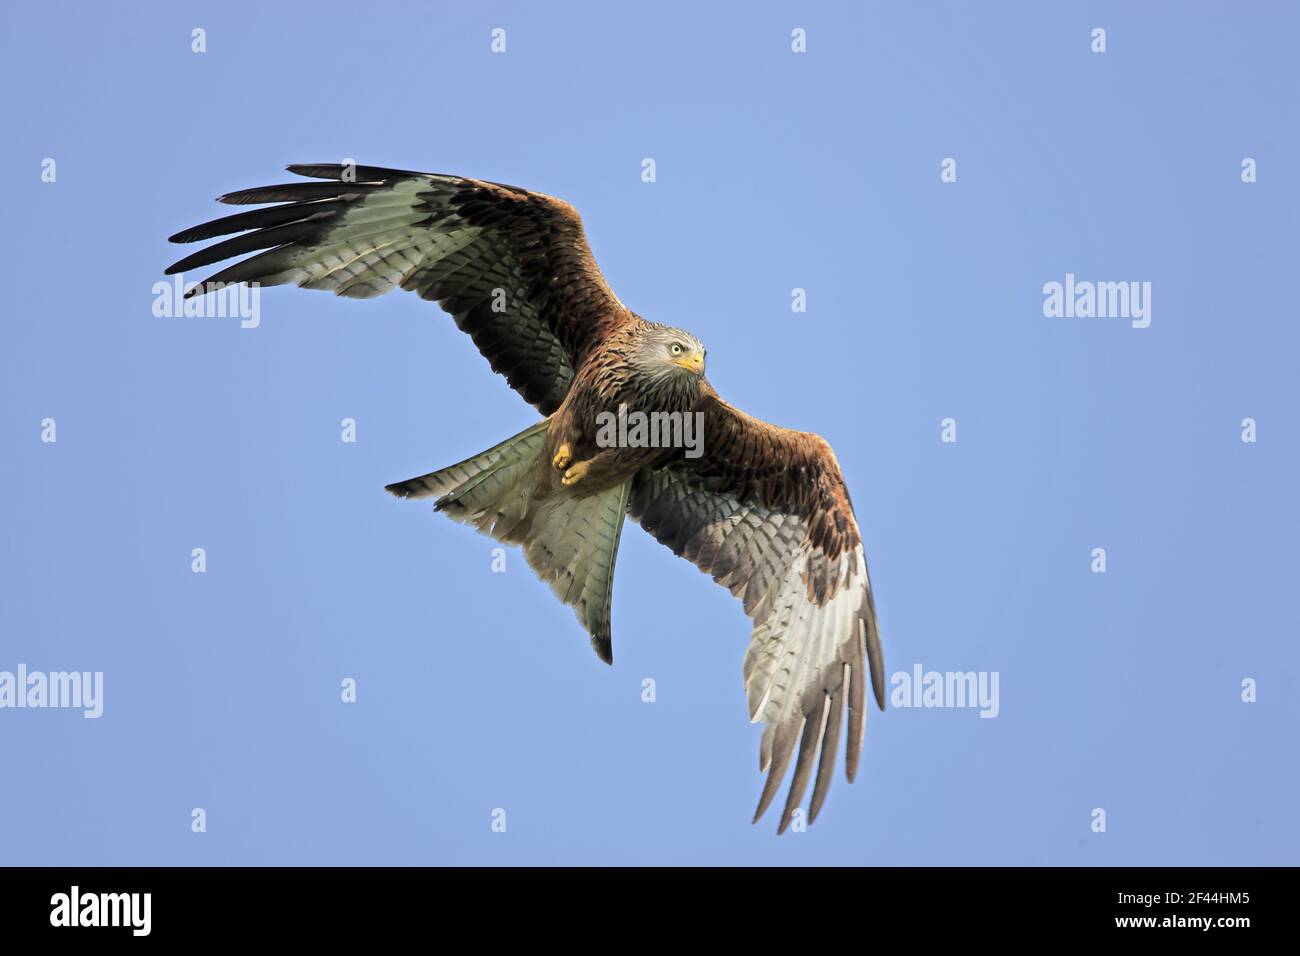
(563, 457)
(575, 473)
(593, 467)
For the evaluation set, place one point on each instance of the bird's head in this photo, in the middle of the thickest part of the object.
(664, 352)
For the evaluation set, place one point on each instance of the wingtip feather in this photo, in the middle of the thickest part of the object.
(602, 642)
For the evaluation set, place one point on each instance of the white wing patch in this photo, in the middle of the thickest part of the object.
(795, 641)
(377, 245)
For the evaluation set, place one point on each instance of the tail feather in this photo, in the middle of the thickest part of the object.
(570, 540)
(573, 546)
(456, 482)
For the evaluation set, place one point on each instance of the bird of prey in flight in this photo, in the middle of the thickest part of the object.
(762, 509)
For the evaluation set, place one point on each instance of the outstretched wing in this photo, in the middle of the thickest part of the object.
(511, 266)
(765, 511)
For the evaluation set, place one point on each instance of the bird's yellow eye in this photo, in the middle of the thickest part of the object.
(676, 349)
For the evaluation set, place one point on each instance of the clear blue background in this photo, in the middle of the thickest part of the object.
(479, 690)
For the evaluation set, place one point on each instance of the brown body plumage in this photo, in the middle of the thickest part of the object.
(763, 509)
(607, 384)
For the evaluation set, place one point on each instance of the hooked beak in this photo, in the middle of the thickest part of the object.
(693, 363)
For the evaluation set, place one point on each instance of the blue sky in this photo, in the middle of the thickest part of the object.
(775, 170)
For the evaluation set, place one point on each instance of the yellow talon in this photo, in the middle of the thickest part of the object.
(563, 457)
(575, 474)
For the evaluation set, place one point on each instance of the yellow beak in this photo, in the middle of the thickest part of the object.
(694, 362)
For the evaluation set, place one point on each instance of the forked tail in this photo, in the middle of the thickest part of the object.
(569, 539)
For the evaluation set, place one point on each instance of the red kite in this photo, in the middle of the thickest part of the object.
(763, 509)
